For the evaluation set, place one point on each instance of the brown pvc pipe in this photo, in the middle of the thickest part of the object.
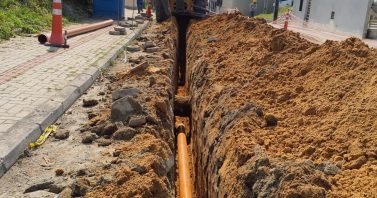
(88, 28)
(183, 164)
(42, 38)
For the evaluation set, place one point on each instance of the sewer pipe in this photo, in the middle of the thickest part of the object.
(185, 190)
(42, 38)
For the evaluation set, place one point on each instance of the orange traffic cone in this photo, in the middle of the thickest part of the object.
(149, 11)
(57, 38)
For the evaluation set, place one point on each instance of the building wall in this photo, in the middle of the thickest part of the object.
(350, 16)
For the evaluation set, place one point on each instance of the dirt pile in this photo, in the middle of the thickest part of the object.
(137, 121)
(276, 115)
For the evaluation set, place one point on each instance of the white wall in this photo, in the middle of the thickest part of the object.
(351, 16)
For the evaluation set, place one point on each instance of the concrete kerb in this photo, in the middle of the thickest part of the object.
(11, 149)
(30, 128)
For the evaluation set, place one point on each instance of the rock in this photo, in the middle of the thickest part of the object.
(165, 55)
(309, 151)
(125, 107)
(271, 121)
(356, 164)
(82, 172)
(139, 21)
(120, 29)
(148, 44)
(139, 17)
(104, 179)
(113, 32)
(125, 92)
(66, 193)
(91, 115)
(151, 119)
(152, 81)
(40, 194)
(125, 133)
(80, 187)
(152, 49)
(101, 93)
(259, 111)
(328, 168)
(310, 111)
(104, 142)
(61, 134)
(137, 121)
(212, 39)
(133, 48)
(140, 67)
(88, 138)
(116, 153)
(39, 186)
(90, 102)
(162, 106)
(59, 172)
(130, 18)
(109, 129)
(134, 60)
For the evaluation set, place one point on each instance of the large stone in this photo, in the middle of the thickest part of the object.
(114, 32)
(125, 107)
(39, 186)
(125, 133)
(133, 48)
(152, 49)
(139, 21)
(148, 44)
(120, 29)
(125, 92)
(140, 67)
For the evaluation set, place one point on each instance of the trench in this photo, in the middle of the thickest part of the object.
(242, 142)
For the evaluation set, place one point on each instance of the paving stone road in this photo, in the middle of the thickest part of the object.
(37, 86)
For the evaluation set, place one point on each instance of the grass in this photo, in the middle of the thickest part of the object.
(19, 17)
(271, 15)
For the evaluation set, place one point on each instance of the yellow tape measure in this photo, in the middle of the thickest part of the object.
(43, 137)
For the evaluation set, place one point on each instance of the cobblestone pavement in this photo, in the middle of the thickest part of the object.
(32, 78)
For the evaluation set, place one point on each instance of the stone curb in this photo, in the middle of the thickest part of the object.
(30, 128)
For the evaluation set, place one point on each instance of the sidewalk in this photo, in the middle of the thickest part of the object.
(37, 86)
(320, 36)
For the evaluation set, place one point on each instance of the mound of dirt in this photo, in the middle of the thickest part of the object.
(138, 121)
(322, 100)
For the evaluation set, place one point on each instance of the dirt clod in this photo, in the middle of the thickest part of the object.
(125, 133)
(103, 142)
(61, 134)
(137, 121)
(88, 138)
(89, 102)
(271, 120)
(59, 172)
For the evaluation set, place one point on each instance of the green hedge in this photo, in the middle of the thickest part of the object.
(19, 17)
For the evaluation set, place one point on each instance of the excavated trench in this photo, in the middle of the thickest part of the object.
(273, 115)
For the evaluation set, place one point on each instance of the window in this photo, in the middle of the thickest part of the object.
(332, 15)
(301, 4)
